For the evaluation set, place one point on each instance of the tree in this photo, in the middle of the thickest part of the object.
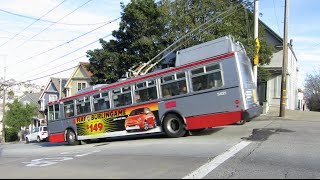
(11, 94)
(312, 91)
(233, 17)
(19, 115)
(137, 41)
(147, 28)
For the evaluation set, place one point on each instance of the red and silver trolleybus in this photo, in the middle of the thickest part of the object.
(211, 85)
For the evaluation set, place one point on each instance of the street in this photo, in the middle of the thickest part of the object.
(263, 148)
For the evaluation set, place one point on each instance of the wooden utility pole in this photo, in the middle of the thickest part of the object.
(255, 36)
(285, 63)
(3, 140)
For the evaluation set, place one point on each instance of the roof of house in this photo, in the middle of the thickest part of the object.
(271, 31)
(83, 66)
(55, 82)
(89, 73)
(31, 97)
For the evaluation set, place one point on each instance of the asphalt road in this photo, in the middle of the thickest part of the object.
(262, 148)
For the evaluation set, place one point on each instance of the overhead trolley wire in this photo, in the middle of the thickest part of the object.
(67, 54)
(32, 23)
(48, 21)
(54, 23)
(67, 41)
(48, 75)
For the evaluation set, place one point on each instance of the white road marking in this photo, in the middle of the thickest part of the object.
(211, 165)
(65, 156)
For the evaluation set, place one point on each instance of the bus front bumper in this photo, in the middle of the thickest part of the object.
(252, 113)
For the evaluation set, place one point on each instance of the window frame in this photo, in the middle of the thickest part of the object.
(101, 97)
(65, 104)
(81, 85)
(121, 92)
(206, 74)
(149, 84)
(175, 82)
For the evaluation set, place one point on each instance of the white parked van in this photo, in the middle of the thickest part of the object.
(37, 134)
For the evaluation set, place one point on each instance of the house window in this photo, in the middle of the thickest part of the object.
(26, 102)
(53, 98)
(81, 85)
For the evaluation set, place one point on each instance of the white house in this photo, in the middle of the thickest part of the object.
(271, 91)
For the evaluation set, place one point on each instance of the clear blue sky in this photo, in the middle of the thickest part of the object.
(303, 29)
(31, 48)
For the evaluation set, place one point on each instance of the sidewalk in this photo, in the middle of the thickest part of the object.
(292, 114)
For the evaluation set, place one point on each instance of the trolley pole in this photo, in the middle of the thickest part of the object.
(285, 63)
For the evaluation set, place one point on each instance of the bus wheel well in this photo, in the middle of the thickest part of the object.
(174, 113)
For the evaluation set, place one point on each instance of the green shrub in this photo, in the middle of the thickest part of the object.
(11, 134)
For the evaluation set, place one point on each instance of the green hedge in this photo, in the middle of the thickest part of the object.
(11, 134)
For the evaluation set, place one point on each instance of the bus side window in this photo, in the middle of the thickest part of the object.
(83, 105)
(210, 78)
(197, 83)
(123, 97)
(166, 93)
(51, 113)
(68, 108)
(56, 111)
(101, 102)
(145, 91)
(215, 80)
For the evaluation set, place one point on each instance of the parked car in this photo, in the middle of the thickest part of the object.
(140, 119)
(37, 134)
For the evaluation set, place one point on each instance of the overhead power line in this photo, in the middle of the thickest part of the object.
(67, 41)
(48, 75)
(32, 23)
(54, 23)
(60, 65)
(48, 21)
(65, 55)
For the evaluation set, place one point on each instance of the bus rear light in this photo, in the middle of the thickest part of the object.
(237, 101)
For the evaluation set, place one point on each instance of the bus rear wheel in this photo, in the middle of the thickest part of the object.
(71, 137)
(241, 122)
(174, 126)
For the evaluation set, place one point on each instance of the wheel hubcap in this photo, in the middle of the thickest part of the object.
(173, 125)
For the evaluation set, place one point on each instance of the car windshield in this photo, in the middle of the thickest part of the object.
(137, 111)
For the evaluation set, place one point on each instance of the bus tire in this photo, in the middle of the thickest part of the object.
(197, 130)
(248, 120)
(173, 126)
(71, 138)
(241, 122)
